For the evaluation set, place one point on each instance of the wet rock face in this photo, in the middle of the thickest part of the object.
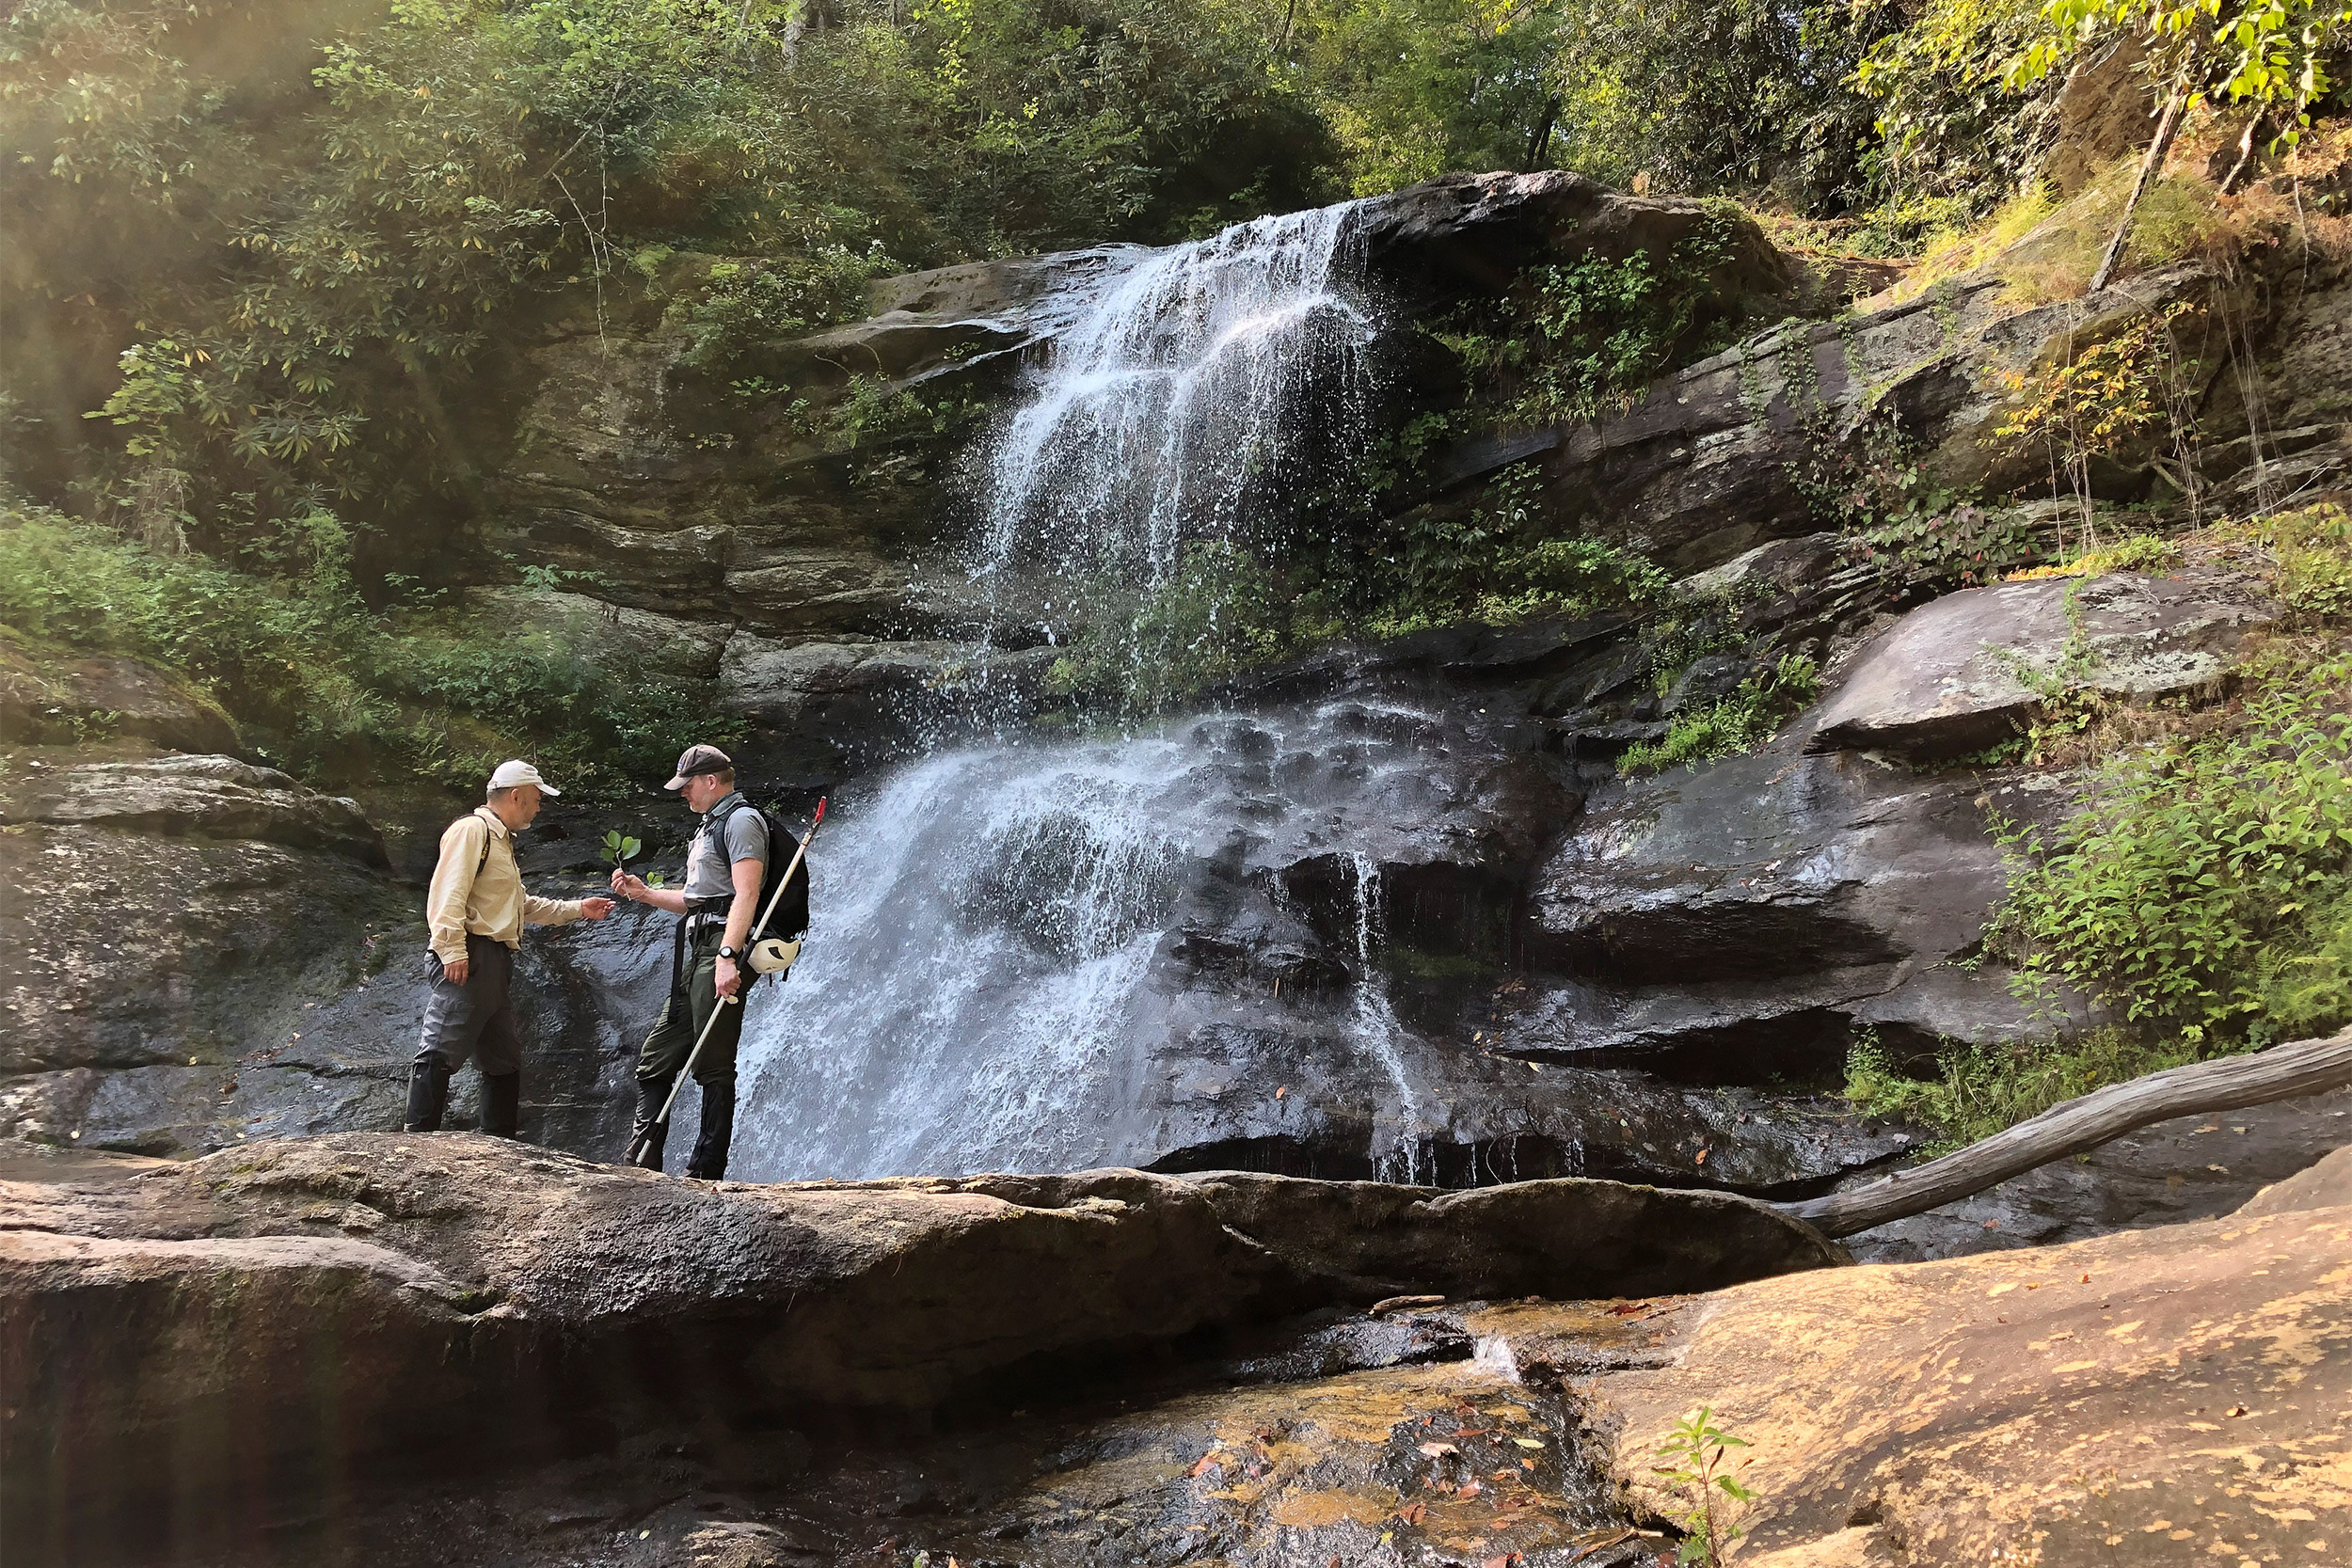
(1266, 939)
(1968, 671)
(205, 953)
(171, 916)
(438, 1284)
(1739, 921)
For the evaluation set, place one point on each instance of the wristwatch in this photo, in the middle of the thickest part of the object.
(726, 950)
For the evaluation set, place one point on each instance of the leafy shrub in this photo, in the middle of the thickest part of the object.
(1959, 544)
(1873, 484)
(1735, 724)
(1976, 1090)
(2134, 552)
(2098, 401)
(2313, 549)
(1575, 340)
(1571, 576)
(748, 304)
(2198, 891)
(336, 689)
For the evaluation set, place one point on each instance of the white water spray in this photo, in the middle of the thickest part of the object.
(1186, 403)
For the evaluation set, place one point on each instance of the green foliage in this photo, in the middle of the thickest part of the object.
(1492, 563)
(747, 304)
(1735, 724)
(2097, 401)
(1978, 1091)
(1690, 1462)
(1415, 88)
(1569, 576)
(1706, 96)
(1956, 544)
(2313, 550)
(2199, 892)
(1871, 484)
(619, 849)
(332, 688)
(2275, 54)
(305, 294)
(1576, 339)
(1955, 133)
(2134, 552)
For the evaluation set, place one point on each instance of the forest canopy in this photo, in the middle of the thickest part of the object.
(256, 242)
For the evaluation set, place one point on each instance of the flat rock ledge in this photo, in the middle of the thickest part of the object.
(275, 1316)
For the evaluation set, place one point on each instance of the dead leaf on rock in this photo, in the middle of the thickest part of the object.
(1437, 1449)
(1208, 1462)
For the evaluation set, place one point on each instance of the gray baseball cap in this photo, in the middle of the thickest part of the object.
(699, 759)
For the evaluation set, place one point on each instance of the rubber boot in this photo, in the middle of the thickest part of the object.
(428, 1093)
(502, 1104)
(709, 1162)
(647, 1131)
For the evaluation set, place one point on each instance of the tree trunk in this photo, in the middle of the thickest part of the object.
(2226, 1084)
(1540, 143)
(2166, 128)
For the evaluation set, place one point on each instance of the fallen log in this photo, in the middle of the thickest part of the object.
(2225, 1083)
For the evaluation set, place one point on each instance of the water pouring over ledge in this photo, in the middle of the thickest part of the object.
(984, 992)
(1203, 391)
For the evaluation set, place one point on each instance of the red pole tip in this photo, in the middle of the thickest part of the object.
(821, 812)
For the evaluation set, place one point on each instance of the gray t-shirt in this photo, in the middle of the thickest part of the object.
(707, 871)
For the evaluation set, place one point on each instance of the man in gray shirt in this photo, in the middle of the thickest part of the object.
(724, 867)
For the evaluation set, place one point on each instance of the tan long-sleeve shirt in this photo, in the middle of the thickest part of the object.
(490, 902)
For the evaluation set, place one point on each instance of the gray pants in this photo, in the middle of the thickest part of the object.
(475, 1020)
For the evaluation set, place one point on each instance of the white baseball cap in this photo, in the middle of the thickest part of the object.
(516, 771)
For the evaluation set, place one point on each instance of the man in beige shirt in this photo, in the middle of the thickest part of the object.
(475, 911)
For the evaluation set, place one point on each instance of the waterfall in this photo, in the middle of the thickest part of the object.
(978, 989)
(1204, 387)
(1375, 1020)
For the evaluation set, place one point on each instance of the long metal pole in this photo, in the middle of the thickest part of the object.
(636, 1150)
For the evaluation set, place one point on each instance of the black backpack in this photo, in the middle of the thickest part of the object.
(791, 916)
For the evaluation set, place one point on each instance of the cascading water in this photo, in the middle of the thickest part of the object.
(1202, 372)
(988, 917)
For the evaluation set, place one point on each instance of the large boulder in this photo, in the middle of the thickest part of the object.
(1743, 920)
(276, 1316)
(1966, 671)
(2159, 1397)
(58, 694)
(171, 916)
